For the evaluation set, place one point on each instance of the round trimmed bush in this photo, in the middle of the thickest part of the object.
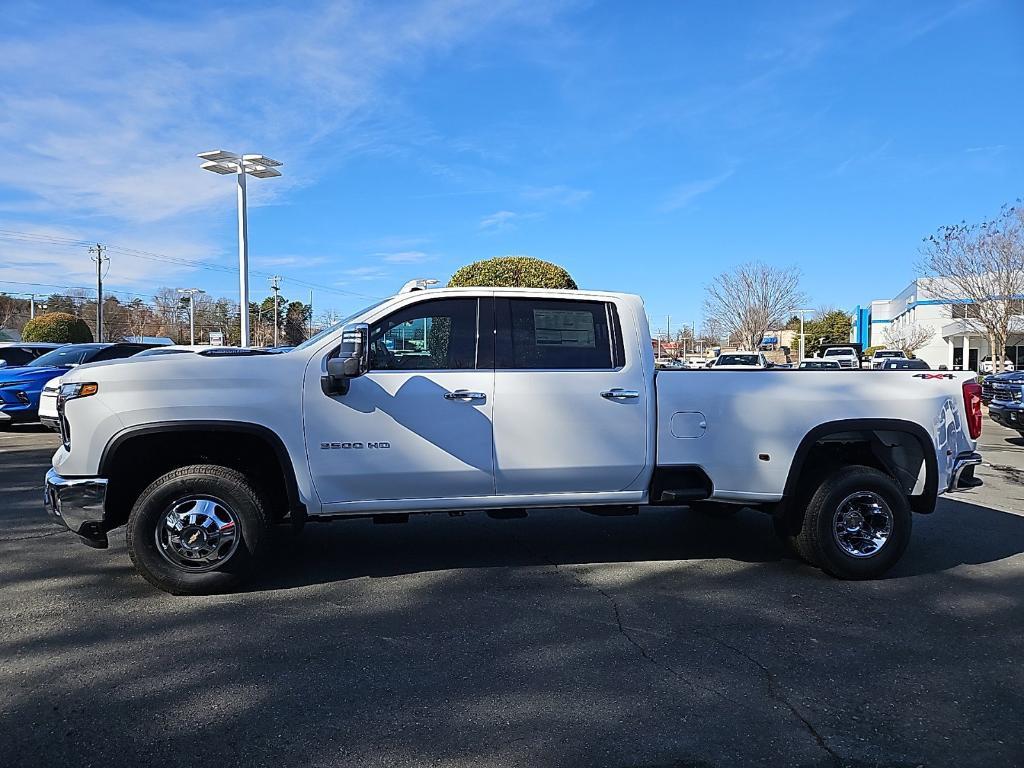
(57, 328)
(512, 272)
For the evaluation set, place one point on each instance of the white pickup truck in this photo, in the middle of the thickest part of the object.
(501, 400)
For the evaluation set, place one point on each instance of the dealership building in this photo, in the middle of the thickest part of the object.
(955, 337)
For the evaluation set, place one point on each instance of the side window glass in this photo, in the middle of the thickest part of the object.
(557, 334)
(430, 335)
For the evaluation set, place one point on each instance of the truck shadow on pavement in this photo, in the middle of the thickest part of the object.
(958, 533)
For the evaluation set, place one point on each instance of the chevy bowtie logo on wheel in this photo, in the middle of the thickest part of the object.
(356, 446)
(933, 375)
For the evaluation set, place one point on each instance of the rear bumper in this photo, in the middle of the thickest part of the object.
(962, 476)
(77, 504)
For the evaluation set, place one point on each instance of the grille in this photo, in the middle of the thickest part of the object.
(1007, 393)
(63, 426)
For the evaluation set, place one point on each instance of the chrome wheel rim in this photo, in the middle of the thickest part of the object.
(197, 534)
(862, 524)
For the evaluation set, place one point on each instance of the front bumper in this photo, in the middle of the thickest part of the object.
(1012, 417)
(77, 504)
(51, 422)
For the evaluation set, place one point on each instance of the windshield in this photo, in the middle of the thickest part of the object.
(888, 354)
(313, 340)
(838, 352)
(65, 356)
(738, 360)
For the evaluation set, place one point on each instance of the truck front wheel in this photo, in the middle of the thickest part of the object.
(857, 524)
(197, 530)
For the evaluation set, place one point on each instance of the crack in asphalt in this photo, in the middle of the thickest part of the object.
(774, 692)
(770, 677)
(622, 629)
(34, 536)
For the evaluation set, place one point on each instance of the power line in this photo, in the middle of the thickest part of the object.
(9, 234)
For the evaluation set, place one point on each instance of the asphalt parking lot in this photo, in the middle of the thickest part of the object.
(563, 639)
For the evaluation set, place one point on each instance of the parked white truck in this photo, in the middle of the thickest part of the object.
(501, 400)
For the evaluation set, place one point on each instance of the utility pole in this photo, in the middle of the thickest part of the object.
(99, 258)
(310, 314)
(275, 286)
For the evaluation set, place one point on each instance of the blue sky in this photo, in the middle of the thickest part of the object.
(644, 146)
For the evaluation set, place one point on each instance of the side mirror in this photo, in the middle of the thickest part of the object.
(353, 359)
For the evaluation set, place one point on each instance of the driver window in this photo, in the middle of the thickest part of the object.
(430, 335)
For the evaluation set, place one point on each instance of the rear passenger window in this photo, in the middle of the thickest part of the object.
(557, 334)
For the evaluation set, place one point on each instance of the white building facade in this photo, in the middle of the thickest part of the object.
(957, 343)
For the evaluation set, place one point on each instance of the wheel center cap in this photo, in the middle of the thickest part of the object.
(193, 537)
(853, 521)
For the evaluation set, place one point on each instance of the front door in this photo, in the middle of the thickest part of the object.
(418, 424)
(570, 409)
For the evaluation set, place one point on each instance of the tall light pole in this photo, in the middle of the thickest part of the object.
(262, 167)
(802, 313)
(191, 293)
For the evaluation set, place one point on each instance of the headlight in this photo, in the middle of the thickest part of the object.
(77, 390)
(71, 392)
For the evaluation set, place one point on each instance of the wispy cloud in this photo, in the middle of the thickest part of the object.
(499, 220)
(558, 194)
(862, 158)
(365, 273)
(126, 101)
(990, 149)
(686, 193)
(289, 261)
(404, 257)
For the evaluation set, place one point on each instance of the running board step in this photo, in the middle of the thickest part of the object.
(507, 514)
(683, 495)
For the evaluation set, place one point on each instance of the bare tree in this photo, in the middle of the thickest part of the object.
(750, 300)
(980, 266)
(7, 309)
(908, 337)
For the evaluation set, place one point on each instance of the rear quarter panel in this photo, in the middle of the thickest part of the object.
(750, 414)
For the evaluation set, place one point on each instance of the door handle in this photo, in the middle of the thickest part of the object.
(620, 394)
(464, 394)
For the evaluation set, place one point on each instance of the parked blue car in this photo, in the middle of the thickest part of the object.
(1006, 405)
(20, 387)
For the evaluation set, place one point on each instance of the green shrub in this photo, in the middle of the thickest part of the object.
(57, 328)
(512, 272)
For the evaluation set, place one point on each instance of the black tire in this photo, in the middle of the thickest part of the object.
(234, 493)
(716, 509)
(854, 489)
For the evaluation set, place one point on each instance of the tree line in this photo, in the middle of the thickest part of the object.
(167, 316)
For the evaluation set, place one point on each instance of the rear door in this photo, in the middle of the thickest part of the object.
(570, 408)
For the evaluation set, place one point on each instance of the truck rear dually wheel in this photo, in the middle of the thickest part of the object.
(197, 530)
(857, 524)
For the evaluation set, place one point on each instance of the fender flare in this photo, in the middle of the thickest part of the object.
(923, 503)
(238, 427)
